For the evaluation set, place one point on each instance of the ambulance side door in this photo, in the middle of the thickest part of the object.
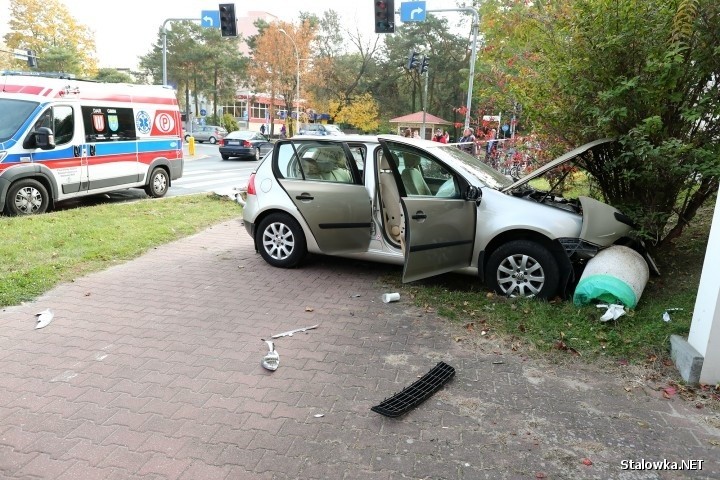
(68, 159)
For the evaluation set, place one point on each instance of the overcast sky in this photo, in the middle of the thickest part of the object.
(126, 29)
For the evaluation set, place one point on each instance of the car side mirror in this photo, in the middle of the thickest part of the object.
(44, 138)
(473, 193)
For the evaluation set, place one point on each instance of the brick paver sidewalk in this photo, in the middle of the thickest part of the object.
(151, 369)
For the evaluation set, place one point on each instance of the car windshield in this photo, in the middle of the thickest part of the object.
(244, 135)
(486, 174)
(14, 114)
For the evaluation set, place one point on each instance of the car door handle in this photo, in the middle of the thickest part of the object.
(420, 215)
(304, 197)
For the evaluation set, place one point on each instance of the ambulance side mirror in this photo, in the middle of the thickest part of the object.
(44, 138)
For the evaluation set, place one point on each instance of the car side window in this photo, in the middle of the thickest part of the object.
(424, 176)
(326, 163)
(287, 162)
(359, 154)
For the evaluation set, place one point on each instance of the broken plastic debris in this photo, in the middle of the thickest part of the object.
(415, 394)
(614, 311)
(290, 333)
(271, 360)
(666, 315)
(44, 318)
(390, 297)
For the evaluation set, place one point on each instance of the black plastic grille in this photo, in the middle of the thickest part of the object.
(418, 392)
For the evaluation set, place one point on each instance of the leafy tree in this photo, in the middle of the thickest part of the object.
(111, 75)
(448, 54)
(339, 74)
(644, 71)
(361, 112)
(276, 72)
(47, 27)
(198, 60)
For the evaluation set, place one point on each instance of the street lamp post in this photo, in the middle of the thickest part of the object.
(297, 80)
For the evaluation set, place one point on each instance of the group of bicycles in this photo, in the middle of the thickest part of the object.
(508, 156)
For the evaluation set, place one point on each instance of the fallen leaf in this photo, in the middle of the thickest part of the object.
(587, 461)
(470, 326)
(540, 475)
(309, 309)
(627, 389)
(623, 362)
(458, 339)
(667, 362)
(714, 442)
(670, 391)
(521, 327)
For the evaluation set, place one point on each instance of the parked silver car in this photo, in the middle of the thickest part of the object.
(207, 133)
(425, 205)
(321, 129)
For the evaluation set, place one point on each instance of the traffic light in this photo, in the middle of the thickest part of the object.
(32, 58)
(384, 16)
(425, 64)
(228, 23)
(413, 61)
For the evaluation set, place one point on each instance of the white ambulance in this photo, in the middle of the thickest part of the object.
(65, 138)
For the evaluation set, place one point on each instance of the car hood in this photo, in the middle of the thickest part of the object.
(568, 157)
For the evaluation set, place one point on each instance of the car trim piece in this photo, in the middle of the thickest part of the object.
(344, 225)
(431, 246)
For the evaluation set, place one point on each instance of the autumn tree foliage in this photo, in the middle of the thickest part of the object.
(60, 42)
(274, 66)
(643, 71)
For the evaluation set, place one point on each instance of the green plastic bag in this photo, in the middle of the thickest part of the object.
(605, 288)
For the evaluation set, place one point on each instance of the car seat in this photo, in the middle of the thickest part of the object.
(393, 217)
(331, 170)
(412, 176)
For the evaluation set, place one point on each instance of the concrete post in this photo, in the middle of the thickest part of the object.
(698, 359)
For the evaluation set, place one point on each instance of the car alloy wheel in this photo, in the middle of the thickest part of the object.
(523, 268)
(281, 241)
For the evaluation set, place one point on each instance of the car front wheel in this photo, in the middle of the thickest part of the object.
(257, 153)
(523, 268)
(281, 241)
(26, 197)
(213, 140)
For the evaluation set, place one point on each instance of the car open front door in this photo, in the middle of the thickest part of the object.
(320, 178)
(440, 234)
(439, 224)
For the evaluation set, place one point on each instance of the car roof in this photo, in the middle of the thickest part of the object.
(339, 138)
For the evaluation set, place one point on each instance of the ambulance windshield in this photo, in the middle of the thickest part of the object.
(13, 114)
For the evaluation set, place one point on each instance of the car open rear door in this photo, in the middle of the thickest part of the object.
(439, 235)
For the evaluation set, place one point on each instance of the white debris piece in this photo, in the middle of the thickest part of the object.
(614, 311)
(44, 318)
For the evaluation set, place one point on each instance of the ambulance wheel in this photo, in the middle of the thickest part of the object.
(159, 183)
(26, 197)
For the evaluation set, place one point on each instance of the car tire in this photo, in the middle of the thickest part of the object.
(158, 183)
(281, 241)
(523, 268)
(225, 157)
(257, 154)
(26, 197)
(212, 140)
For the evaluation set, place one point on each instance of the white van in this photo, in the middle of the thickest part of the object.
(66, 138)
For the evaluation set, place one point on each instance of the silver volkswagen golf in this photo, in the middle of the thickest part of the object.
(428, 206)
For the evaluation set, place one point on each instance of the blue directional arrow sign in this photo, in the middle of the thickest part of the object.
(210, 18)
(412, 12)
